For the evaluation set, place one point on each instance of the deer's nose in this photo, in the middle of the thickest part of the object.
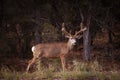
(73, 41)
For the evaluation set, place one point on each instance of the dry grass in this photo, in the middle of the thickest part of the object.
(81, 71)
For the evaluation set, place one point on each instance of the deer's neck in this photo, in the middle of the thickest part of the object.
(69, 45)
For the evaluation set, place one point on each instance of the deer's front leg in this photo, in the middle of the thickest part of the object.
(63, 61)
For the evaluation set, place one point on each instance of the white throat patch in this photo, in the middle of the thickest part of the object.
(72, 41)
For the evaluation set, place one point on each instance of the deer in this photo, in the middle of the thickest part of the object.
(57, 49)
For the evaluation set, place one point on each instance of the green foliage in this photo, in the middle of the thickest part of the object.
(49, 33)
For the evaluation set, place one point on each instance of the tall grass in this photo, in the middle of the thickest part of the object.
(81, 71)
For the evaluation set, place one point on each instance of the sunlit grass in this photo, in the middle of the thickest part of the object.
(81, 71)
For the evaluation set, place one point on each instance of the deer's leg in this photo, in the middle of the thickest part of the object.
(63, 62)
(34, 59)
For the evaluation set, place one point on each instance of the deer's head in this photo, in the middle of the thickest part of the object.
(72, 38)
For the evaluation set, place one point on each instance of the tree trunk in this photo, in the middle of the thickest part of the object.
(86, 41)
(86, 44)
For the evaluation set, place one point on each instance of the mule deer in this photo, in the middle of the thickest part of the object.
(55, 50)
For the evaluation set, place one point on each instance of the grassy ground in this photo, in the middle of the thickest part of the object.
(80, 71)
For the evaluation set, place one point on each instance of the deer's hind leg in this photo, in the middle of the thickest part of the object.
(32, 61)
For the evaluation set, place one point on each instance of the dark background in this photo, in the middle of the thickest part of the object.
(24, 23)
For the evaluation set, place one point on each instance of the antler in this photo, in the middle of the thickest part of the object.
(81, 30)
(64, 31)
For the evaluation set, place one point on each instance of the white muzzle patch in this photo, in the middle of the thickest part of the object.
(73, 41)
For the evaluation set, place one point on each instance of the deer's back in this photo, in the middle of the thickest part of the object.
(50, 49)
